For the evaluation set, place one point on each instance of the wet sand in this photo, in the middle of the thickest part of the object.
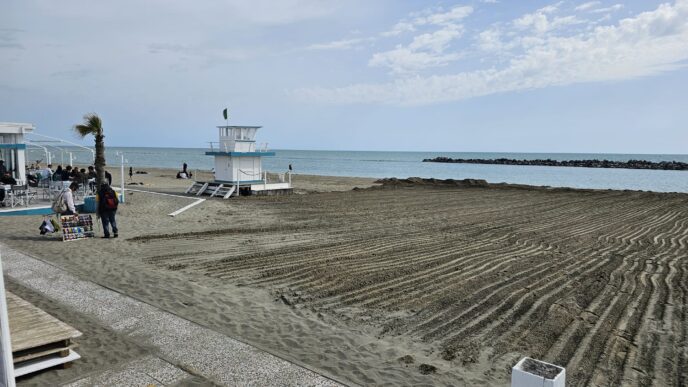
(409, 284)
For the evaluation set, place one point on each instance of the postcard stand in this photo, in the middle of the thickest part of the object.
(76, 227)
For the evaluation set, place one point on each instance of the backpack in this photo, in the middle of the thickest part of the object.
(59, 206)
(110, 200)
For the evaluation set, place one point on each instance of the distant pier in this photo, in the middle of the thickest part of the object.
(630, 164)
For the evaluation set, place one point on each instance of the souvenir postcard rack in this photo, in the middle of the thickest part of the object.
(76, 227)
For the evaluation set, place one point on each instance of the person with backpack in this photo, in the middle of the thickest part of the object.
(64, 202)
(107, 209)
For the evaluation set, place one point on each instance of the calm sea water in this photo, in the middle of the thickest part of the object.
(409, 164)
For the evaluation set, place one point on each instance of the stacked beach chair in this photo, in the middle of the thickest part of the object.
(39, 340)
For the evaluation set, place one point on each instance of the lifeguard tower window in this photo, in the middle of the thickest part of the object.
(238, 133)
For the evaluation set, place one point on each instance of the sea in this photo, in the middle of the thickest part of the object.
(381, 164)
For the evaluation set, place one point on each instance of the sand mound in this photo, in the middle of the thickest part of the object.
(418, 181)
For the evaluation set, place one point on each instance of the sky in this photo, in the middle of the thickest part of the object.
(482, 75)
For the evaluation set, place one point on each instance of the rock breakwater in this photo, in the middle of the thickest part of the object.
(594, 163)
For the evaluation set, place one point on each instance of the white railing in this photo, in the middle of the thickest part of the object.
(216, 146)
(221, 146)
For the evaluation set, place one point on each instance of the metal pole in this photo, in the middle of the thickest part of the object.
(70, 159)
(122, 178)
(7, 363)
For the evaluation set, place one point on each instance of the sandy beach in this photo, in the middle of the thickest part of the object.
(406, 283)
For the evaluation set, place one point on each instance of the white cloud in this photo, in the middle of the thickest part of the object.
(442, 18)
(613, 8)
(344, 44)
(587, 6)
(540, 22)
(427, 49)
(647, 44)
(400, 28)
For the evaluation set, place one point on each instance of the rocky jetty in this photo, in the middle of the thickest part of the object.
(630, 164)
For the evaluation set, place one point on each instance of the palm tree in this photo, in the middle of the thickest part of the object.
(93, 125)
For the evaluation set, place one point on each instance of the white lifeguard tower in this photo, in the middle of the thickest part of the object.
(238, 166)
(13, 148)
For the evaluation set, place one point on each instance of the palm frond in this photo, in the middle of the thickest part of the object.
(92, 125)
(83, 130)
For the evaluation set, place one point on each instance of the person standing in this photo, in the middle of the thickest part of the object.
(107, 209)
(91, 172)
(131, 173)
(57, 176)
(46, 172)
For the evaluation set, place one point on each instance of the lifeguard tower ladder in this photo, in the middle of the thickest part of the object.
(238, 165)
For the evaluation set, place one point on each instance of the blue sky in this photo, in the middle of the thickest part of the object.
(530, 76)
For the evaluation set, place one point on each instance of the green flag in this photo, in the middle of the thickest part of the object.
(224, 113)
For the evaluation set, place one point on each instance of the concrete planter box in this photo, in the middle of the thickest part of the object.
(531, 373)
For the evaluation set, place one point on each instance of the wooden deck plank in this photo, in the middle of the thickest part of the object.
(32, 327)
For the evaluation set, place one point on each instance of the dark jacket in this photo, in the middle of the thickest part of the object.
(9, 180)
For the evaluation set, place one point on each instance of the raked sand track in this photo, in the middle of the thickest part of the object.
(367, 285)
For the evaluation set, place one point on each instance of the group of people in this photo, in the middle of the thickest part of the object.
(82, 176)
(106, 198)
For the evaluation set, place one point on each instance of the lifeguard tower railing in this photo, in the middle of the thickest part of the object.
(216, 146)
(263, 176)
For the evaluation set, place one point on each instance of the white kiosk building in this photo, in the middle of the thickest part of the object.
(238, 166)
(13, 148)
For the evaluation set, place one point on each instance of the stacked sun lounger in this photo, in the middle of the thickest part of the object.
(39, 340)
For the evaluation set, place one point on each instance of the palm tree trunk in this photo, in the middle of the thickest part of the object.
(100, 160)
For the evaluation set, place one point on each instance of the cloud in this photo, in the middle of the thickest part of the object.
(8, 38)
(443, 18)
(344, 44)
(427, 49)
(587, 6)
(280, 12)
(613, 8)
(648, 44)
(540, 22)
(73, 74)
(438, 18)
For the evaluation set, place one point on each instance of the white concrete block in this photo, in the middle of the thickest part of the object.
(535, 373)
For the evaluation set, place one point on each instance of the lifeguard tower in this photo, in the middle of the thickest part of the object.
(13, 148)
(238, 166)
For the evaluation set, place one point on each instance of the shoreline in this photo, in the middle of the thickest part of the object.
(326, 183)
